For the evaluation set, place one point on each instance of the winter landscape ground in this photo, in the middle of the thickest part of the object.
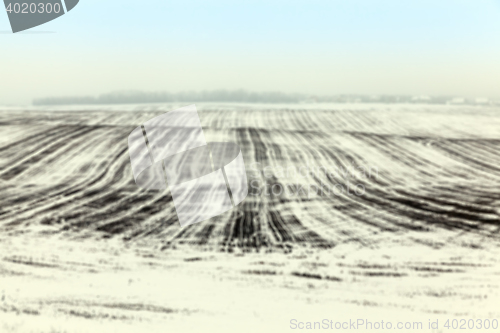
(355, 212)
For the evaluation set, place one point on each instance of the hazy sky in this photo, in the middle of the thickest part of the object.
(311, 46)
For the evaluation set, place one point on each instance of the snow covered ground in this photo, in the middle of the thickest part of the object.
(370, 212)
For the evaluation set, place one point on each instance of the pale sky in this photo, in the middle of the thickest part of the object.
(431, 47)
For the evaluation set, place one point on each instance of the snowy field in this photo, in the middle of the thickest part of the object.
(355, 212)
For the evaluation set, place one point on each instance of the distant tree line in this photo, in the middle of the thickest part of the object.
(242, 96)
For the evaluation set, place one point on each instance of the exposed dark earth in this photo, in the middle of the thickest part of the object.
(385, 212)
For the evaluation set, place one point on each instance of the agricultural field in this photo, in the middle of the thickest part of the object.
(379, 212)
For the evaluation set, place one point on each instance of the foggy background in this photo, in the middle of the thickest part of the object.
(446, 47)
